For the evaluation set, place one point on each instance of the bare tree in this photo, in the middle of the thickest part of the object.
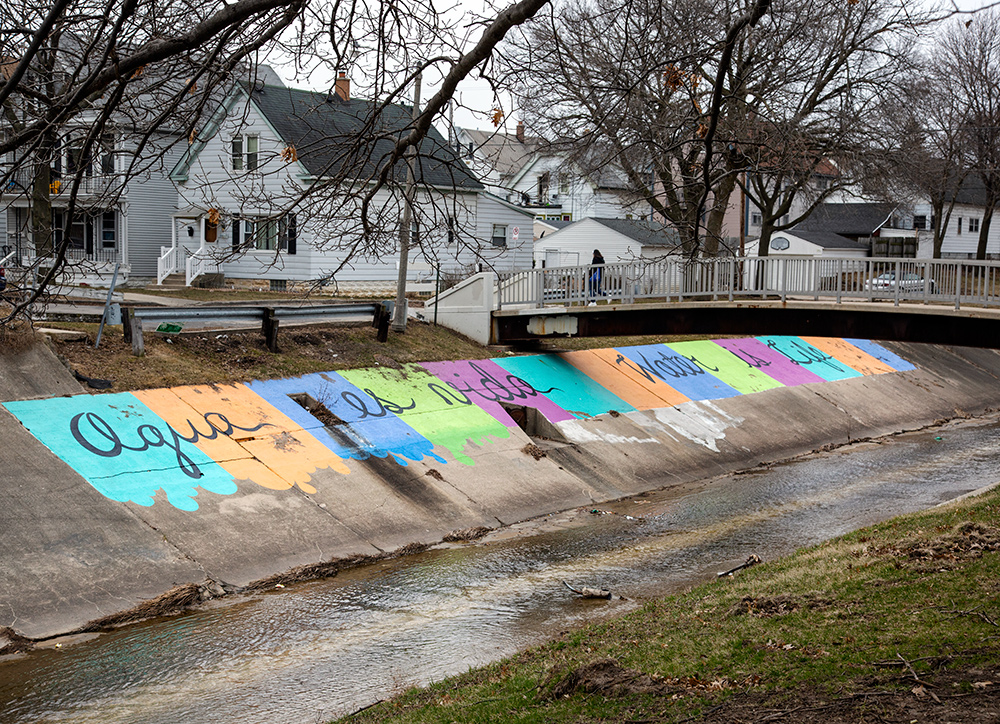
(692, 98)
(969, 56)
(156, 72)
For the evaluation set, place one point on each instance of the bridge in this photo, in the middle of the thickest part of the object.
(913, 300)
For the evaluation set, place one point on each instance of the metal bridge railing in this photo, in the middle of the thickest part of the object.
(975, 283)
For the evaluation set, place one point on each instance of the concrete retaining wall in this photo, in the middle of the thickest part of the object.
(108, 500)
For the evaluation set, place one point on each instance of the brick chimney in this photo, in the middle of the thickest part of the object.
(342, 87)
(519, 133)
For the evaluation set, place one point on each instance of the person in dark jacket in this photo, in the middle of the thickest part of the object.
(596, 274)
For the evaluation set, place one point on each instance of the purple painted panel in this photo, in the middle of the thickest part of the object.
(490, 387)
(757, 354)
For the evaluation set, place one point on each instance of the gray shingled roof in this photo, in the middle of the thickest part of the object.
(827, 239)
(325, 131)
(647, 233)
(503, 152)
(854, 219)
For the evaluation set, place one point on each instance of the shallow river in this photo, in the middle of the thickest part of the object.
(309, 652)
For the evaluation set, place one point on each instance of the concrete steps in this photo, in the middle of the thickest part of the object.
(174, 281)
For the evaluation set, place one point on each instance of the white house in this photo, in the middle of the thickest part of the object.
(618, 240)
(271, 194)
(839, 229)
(524, 171)
(961, 236)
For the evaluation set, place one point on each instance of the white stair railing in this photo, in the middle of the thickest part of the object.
(166, 264)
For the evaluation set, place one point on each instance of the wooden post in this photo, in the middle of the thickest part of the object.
(270, 330)
(127, 324)
(135, 333)
(383, 324)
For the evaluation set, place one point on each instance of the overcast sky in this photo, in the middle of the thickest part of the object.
(476, 100)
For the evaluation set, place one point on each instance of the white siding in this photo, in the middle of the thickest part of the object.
(964, 245)
(579, 241)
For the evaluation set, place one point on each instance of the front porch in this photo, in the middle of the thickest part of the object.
(94, 246)
(191, 253)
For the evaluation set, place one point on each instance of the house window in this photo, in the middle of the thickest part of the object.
(499, 237)
(567, 217)
(108, 230)
(959, 225)
(263, 234)
(919, 222)
(563, 183)
(973, 226)
(245, 153)
(451, 230)
(756, 218)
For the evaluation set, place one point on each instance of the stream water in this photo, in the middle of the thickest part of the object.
(309, 652)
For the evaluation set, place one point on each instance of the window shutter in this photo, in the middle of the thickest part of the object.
(237, 223)
(292, 233)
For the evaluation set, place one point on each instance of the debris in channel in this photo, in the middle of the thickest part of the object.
(589, 592)
(753, 560)
(598, 511)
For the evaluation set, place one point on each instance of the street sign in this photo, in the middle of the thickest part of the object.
(516, 231)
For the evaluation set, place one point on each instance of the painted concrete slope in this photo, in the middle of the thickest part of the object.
(109, 500)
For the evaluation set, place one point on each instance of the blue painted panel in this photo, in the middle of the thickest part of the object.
(372, 428)
(658, 361)
(882, 354)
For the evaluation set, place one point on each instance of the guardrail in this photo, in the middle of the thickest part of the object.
(729, 278)
(269, 317)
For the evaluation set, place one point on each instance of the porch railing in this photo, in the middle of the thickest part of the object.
(198, 263)
(166, 264)
(729, 278)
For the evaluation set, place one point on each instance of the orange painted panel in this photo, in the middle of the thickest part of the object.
(622, 380)
(270, 448)
(849, 354)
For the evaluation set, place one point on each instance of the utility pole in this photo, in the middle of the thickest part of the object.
(399, 310)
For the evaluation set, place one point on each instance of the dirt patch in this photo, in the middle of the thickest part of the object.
(607, 678)
(964, 541)
(533, 450)
(765, 607)
(969, 696)
(432, 473)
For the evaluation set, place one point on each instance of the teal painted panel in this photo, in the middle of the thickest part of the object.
(122, 448)
(564, 384)
(801, 353)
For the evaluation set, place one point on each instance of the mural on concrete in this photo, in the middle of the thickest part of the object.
(178, 443)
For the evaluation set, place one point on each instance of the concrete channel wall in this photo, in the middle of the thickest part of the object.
(108, 501)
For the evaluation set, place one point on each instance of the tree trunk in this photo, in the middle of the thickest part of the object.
(41, 208)
(984, 228)
(713, 228)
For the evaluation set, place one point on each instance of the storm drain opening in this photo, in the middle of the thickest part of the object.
(525, 417)
(317, 409)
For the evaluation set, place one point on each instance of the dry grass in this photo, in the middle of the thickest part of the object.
(214, 357)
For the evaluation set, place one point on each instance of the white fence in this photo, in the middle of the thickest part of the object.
(728, 278)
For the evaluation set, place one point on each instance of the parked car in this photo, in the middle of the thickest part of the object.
(908, 282)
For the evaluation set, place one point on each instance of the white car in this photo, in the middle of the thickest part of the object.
(907, 283)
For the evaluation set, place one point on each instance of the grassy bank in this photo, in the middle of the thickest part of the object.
(898, 622)
(193, 358)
